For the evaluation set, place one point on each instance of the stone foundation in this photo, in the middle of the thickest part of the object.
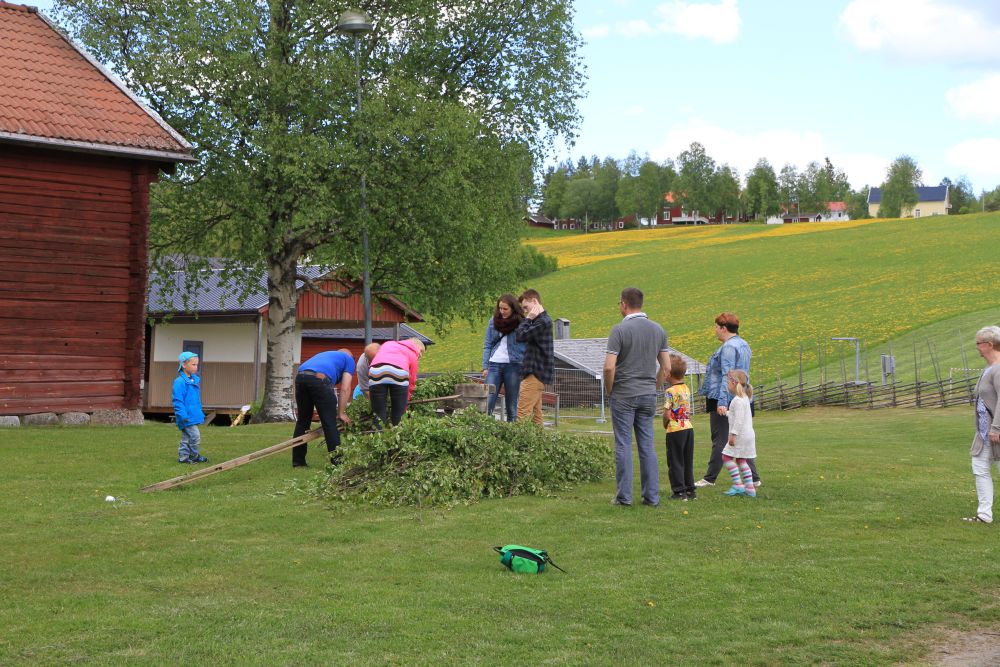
(41, 419)
(120, 417)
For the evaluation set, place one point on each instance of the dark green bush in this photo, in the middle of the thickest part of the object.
(429, 460)
(535, 263)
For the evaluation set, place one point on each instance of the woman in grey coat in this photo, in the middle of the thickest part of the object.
(986, 445)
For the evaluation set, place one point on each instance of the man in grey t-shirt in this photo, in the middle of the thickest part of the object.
(635, 347)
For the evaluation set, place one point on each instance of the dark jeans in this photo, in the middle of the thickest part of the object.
(719, 425)
(321, 395)
(380, 394)
(680, 460)
(507, 376)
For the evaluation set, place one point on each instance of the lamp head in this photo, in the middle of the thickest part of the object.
(354, 22)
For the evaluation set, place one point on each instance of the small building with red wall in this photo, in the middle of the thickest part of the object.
(78, 152)
(228, 331)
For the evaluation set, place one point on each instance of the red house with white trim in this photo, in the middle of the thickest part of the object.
(78, 152)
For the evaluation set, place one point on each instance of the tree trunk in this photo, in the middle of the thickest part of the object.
(282, 302)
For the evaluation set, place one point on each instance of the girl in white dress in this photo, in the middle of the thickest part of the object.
(742, 441)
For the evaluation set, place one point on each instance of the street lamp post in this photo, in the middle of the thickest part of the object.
(357, 23)
(857, 357)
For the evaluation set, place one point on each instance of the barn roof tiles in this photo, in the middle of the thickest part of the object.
(54, 93)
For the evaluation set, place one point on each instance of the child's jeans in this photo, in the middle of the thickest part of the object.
(190, 440)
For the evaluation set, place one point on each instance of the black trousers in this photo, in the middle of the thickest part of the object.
(381, 394)
(680, 460)
(313, 393)
(719, 425)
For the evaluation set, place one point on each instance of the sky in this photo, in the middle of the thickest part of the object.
(860, 82)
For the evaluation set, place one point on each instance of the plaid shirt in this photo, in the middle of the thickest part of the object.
(539, 351)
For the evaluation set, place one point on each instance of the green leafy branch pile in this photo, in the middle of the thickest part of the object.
(428, 460)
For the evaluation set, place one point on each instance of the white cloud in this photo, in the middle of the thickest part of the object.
(595, 32)
(717, 22)
(924, 30)
(776, 146)
(978, 100)
(976, 158)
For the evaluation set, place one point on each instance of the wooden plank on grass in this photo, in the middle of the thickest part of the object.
(234, 463)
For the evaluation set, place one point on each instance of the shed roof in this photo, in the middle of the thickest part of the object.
(588, 354)
(53, 93)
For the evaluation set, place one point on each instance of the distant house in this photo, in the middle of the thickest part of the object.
(836, 211)
(931, 200)
(78, 152)
(229, 333)
(539, 220)
(671, 213)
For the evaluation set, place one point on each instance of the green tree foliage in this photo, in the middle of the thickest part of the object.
(990, 201)
(899, 191)
(642, 186)
(554, 190)
(726, 190)
(760, 197)
(788, 188)
(961, 197)
(857, 203)
(459, 101)
(606, 178)
(694, 187)
(580, 199)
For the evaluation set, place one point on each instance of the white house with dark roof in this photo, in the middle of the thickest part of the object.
(931, 200)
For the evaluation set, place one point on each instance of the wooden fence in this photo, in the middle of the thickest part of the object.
(867, 395)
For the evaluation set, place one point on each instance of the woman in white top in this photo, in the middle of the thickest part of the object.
(742, 445)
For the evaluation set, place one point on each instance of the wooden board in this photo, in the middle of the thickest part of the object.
(233, 463)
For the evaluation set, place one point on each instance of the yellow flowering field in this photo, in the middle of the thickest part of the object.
(792, 285)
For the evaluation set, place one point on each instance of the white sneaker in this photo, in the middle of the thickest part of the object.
(757, 484)
(702, 483)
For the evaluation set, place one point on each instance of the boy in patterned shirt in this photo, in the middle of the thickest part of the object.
(680, 433)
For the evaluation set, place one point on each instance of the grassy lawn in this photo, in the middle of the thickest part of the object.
(793, 285)
(853, 554)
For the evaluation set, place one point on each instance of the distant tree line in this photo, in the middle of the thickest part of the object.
(595, 190)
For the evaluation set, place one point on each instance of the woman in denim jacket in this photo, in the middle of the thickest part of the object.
(502, 354)
(733, 354)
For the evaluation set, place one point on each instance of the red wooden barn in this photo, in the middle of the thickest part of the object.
(78, 152)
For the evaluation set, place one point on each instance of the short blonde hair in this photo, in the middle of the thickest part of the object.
(989, 335)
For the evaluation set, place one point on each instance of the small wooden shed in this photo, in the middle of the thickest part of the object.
(78, 152)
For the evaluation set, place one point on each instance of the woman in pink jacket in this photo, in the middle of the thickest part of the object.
(392, 375)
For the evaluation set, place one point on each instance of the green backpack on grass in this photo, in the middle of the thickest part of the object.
(525, 559)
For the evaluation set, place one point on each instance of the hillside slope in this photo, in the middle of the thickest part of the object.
(791, 285)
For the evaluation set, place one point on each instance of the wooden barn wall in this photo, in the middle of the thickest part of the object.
(72, 280)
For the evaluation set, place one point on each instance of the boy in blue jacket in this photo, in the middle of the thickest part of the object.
(187, 409)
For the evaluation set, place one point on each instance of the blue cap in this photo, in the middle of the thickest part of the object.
(184, 357)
